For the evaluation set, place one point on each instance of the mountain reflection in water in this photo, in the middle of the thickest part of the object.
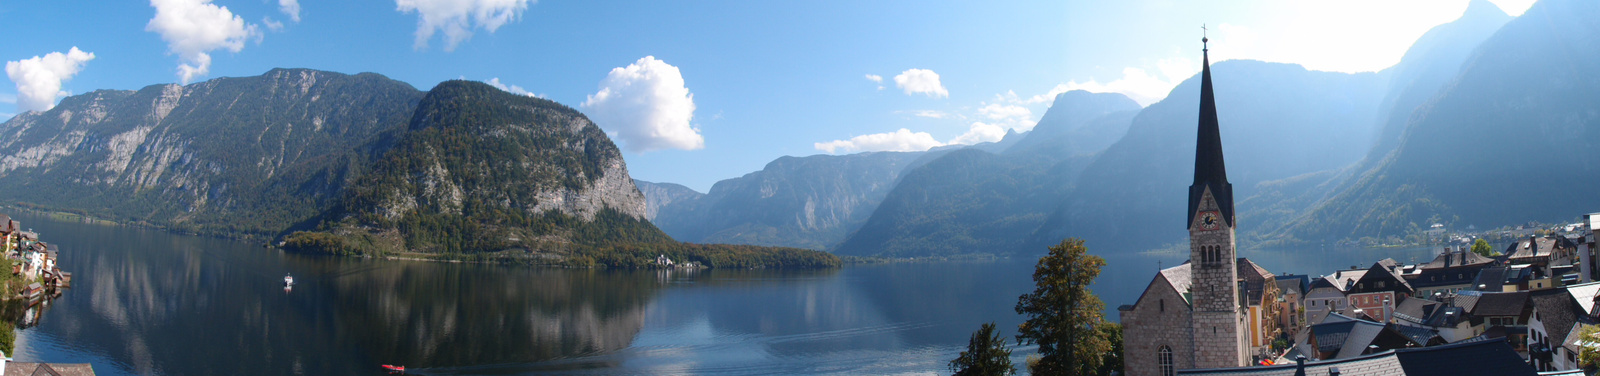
(151, 303)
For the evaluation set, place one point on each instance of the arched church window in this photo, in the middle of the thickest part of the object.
(1164, 361)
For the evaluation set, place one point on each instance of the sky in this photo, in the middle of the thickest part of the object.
(699, 91)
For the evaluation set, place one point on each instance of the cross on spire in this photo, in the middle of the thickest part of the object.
(1203, 38)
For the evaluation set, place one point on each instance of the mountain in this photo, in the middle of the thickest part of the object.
(481, 170)
(660, 195)
(806, 202)
(1506, 141)
(1431, 63)
(1079, 122)
(1278, 121)
(973, 201)
(245, 155)
(1427, 67)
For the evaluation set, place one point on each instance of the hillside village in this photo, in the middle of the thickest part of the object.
(33, 262)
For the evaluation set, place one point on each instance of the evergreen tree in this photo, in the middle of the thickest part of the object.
(986, 355)
(1064, 317)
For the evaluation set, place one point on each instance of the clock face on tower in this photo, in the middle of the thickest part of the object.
(1210, 221)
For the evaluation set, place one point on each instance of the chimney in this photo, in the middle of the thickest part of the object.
(1299, 365)
(1333, 371)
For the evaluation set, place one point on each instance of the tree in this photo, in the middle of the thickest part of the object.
(1112, 360)
(1589, 347)
(1482, 247)
(986, 355)
(1064, 317)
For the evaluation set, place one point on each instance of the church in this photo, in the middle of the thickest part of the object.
(1193, 315)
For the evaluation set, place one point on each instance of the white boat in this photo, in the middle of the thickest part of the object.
(288, 280)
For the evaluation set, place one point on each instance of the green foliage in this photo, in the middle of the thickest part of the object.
(1481, 247)
(1111, 362)
(986, 355)
(1589, 347)
(1064, 316)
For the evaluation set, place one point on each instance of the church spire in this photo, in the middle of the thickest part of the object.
(1209, 170)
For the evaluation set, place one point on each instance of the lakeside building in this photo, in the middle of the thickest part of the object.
(1195, 315)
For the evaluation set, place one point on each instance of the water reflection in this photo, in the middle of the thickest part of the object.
(148, 302)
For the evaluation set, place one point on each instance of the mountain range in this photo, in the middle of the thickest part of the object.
(1480, 123)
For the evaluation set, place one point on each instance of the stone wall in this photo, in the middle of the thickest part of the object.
(1146, 327)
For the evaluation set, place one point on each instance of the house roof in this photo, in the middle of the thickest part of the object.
(58, 369)
(1344, 336)
(1291, 286)
(1467, 299)
(1557, 311)
(1490, 278)
(1501, 304)
(1255, 278)
(1416, 309)
(1446, 317)
(1584, 294)
(1451, 259)
(1461, 358)
(1419, 335)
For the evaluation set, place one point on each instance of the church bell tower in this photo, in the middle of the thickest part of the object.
(1220, 335)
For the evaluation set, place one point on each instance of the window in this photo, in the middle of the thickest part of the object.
(1164, 361)
(1163, 304)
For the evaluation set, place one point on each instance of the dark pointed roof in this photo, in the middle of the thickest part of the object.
(1209, 170)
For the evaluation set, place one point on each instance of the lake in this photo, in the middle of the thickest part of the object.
(149, 302)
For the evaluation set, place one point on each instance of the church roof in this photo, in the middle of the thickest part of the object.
(1178, 277)
(1209, 171)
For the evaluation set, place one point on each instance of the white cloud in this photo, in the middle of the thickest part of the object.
(513, 89)
(981, 132)
(457, 18)
(647, 107)
(901, 140)
(290, 8)
(876, 79)
(996, 111)
(271, 24)
(934, 114)
(8, 98)
(915, 81)
(39, 78)
(193, 28)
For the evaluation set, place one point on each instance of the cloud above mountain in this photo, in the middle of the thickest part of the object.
(900, 140)
(39, 78)
(457, 18)
(194, 28)
(921, 81)
(646, 106)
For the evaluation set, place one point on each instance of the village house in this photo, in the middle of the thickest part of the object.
(1453, 270)
(1291, 295)
(1327, 294)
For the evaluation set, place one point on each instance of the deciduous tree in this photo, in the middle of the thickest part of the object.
(1064, 316)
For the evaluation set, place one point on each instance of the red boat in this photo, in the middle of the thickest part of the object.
(394, 368)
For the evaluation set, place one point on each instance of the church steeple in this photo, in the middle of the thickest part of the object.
(1209, 171)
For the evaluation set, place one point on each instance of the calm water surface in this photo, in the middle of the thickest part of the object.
(149, 302)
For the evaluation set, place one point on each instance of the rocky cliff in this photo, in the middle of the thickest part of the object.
(479, 169)
(245, 155)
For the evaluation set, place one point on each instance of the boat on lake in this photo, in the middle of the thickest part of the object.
(391, 368)
(288, 280)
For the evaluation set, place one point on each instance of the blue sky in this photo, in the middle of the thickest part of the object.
(700, 91)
